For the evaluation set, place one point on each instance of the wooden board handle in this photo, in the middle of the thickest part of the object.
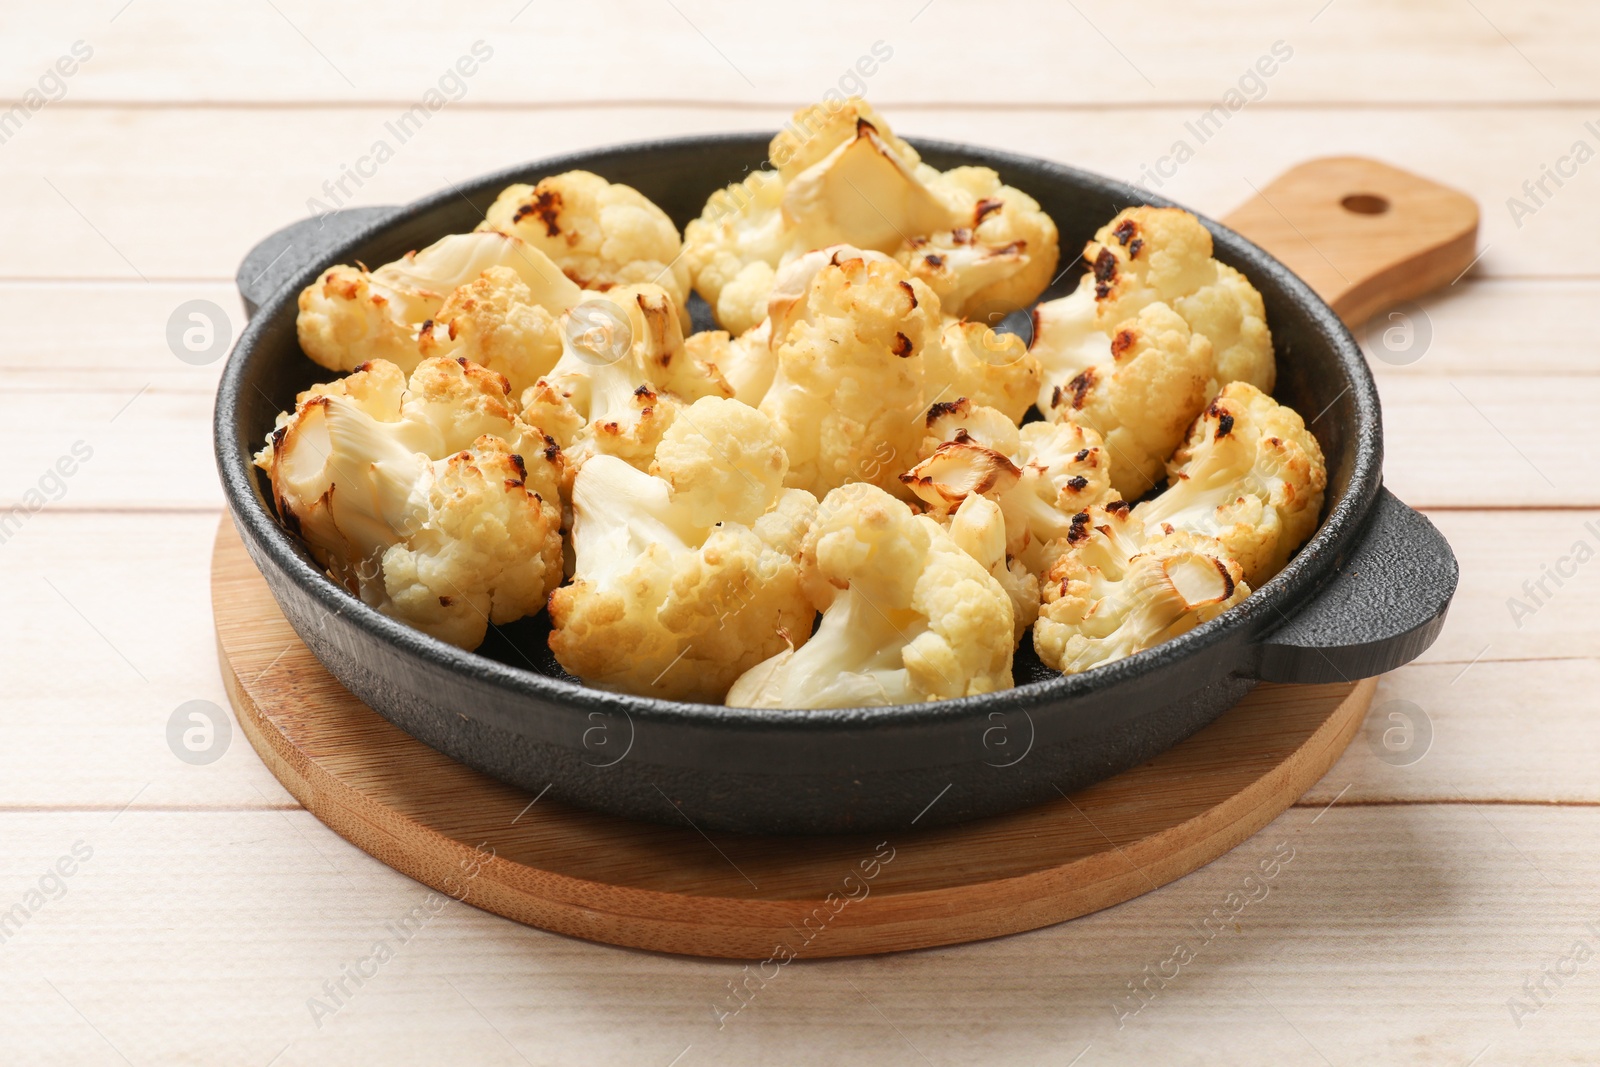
(1363, 234)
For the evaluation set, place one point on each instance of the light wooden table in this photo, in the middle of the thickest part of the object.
(1425, 901)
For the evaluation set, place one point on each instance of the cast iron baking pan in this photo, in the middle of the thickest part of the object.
(1368, 592)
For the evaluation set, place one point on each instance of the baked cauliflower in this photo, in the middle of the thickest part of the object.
(843, 177)
(848, 332)
(983, 365)
(1147, 255)
(908, 615)
(1115, 591)
(1142, 400)
(746, 362)
(495, 322)
(1251, 475)
(688, 576)
(430, 501)
(349, 316)
(978, 527)
(998, 256)
(1040, 476)
(622, 376)
(598, 233)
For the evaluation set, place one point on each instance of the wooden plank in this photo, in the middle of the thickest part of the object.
(140, 582)
(138, 447)
(1389, 934)
(111, 336)
(1491, 441)
(193, 191)
(1503, 556)
(1450, 732)
(1357, 50)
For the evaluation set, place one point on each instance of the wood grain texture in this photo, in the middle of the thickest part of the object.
(1363, 234)
(194, 189)
(660, 888)
(1352, 51)
(1395, 935)
(197, 936)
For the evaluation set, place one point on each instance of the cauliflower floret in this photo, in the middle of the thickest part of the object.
(349, 316)
(1143, 399)
(848, 332)
(622, 375)
(689, 576)
(445, 406)
(495, 322)
(746, 362)
(447, 544)
(998, 257)
(733, 249)
(1143, 256)
(817, 130)
(863, 192)
(599, 233)
(1114, 591)
(984, 365)
(1040, 476)
(1250, 475)
(842, 178)
(908, 614)
(978, 526)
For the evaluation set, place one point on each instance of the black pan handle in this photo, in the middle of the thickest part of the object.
(281, 256)
(1384, 606)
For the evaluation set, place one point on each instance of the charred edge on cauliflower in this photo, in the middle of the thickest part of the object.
(546, 204)
(1105, 273)
(910, 292)
(1080, 386)
(902, 345)
(1125, 231)
(1079, 529)
(984, 209)
(940, 408)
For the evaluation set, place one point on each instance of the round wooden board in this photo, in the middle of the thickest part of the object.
(673, 889)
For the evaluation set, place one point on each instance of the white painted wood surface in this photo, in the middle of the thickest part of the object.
(212, 907)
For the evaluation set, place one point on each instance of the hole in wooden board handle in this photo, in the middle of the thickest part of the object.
(1363, 234)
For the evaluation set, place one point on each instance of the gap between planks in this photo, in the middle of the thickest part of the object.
(762, 106)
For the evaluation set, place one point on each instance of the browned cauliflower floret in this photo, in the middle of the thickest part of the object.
(622, 376)
(495, 322)
(1115, 590)
(599, 233)
(1040, 476)
(843, 177)
(349, 316)
(406, 508)
(746, 362)
(983, 365)
(848, 331)
(1148, 255)
(1250, 475)
(908, 615)
(1141, 401)
(997, 257)
(687, 577)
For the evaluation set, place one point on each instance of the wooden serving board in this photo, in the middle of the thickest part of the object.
(673, 890)
(1365, 234)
